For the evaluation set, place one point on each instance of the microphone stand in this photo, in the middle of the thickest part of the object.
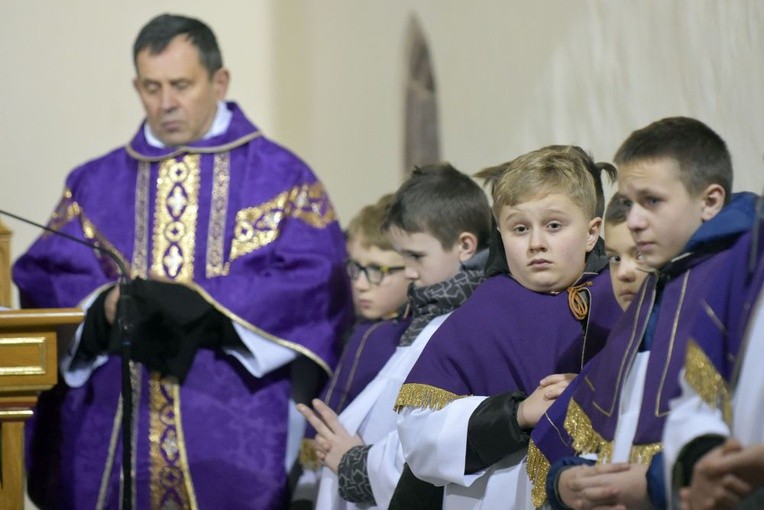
(124, 323)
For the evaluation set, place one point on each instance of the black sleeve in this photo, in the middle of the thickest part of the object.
(411, 493)
(96, 330)
(681, 475)
(171, 322)
(493, 431)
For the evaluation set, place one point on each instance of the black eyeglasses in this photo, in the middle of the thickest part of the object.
(374, 273)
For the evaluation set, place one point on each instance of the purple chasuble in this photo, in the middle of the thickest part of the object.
(593, 410)
(245, 223)
(507, 338)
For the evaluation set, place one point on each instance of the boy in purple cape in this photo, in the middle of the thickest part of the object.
(439, 222)
(239, 285)
(713, 439)
(513, 332)
(380, 298)
(674, 177)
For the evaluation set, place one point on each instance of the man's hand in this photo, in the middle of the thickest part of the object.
(530, 410)
(332, 440)
(110, 305)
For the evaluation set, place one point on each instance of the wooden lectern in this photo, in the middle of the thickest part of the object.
(29, 346)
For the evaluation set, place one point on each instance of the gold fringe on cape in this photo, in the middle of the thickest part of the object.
(643, 453)
(424, 396)
(701, 374)
(585, 438)
(308, 458)
(538, 469)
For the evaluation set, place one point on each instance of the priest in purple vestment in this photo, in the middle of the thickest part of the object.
(240, 297)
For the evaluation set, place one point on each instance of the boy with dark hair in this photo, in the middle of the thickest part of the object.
(626, 270)
(438, 221)
(479, 387)
(674, 176)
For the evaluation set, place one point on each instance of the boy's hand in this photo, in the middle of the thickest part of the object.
(332, 439)
(530, 410)
(717, 480)
(585, 487)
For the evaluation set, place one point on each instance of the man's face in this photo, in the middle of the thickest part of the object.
(177, 93)
(546, 240)
(662, 214)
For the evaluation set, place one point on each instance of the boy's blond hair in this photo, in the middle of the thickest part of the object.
(366, 226)
(564, 169)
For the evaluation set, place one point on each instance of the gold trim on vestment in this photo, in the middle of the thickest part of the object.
(701, 374)
(168, 473)
(260, 225)
(424, 396)
(670, 353)
(193, 150)
(111, 452)
(175, 215)
(141, 243)
(538, 468)
(585, 438)
(66, 210)
(216, 265)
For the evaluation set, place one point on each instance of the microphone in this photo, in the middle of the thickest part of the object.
(125, 328)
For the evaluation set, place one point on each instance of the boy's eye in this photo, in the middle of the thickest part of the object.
(613, 259)
(554, 225)
(519, 229)
(638, 256)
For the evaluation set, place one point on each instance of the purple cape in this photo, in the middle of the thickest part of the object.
(507, 338)
(715, 348)
(593, 410)
(245, 223)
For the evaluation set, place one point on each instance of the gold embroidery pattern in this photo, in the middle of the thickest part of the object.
(259, 226)
(168, 478)
(424, 396)
(66, 210)
(538, 469)
(643, 453)
(93, 235)
(140, 248)
(578, 300)
(219, 203)
(701, 374)
(175, 215)
(585, 438)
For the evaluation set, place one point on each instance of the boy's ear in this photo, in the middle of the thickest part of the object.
(467, 245)
(593, 234)
(713, 201)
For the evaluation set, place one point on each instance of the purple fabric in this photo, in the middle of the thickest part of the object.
(507, 338)
(293, 288)
(370, 346)
(679, 308)
(731, 303)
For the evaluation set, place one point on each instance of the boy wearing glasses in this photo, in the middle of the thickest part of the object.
(438, 221)
(379, 288)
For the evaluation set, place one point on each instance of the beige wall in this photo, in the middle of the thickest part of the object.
(325, 77)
